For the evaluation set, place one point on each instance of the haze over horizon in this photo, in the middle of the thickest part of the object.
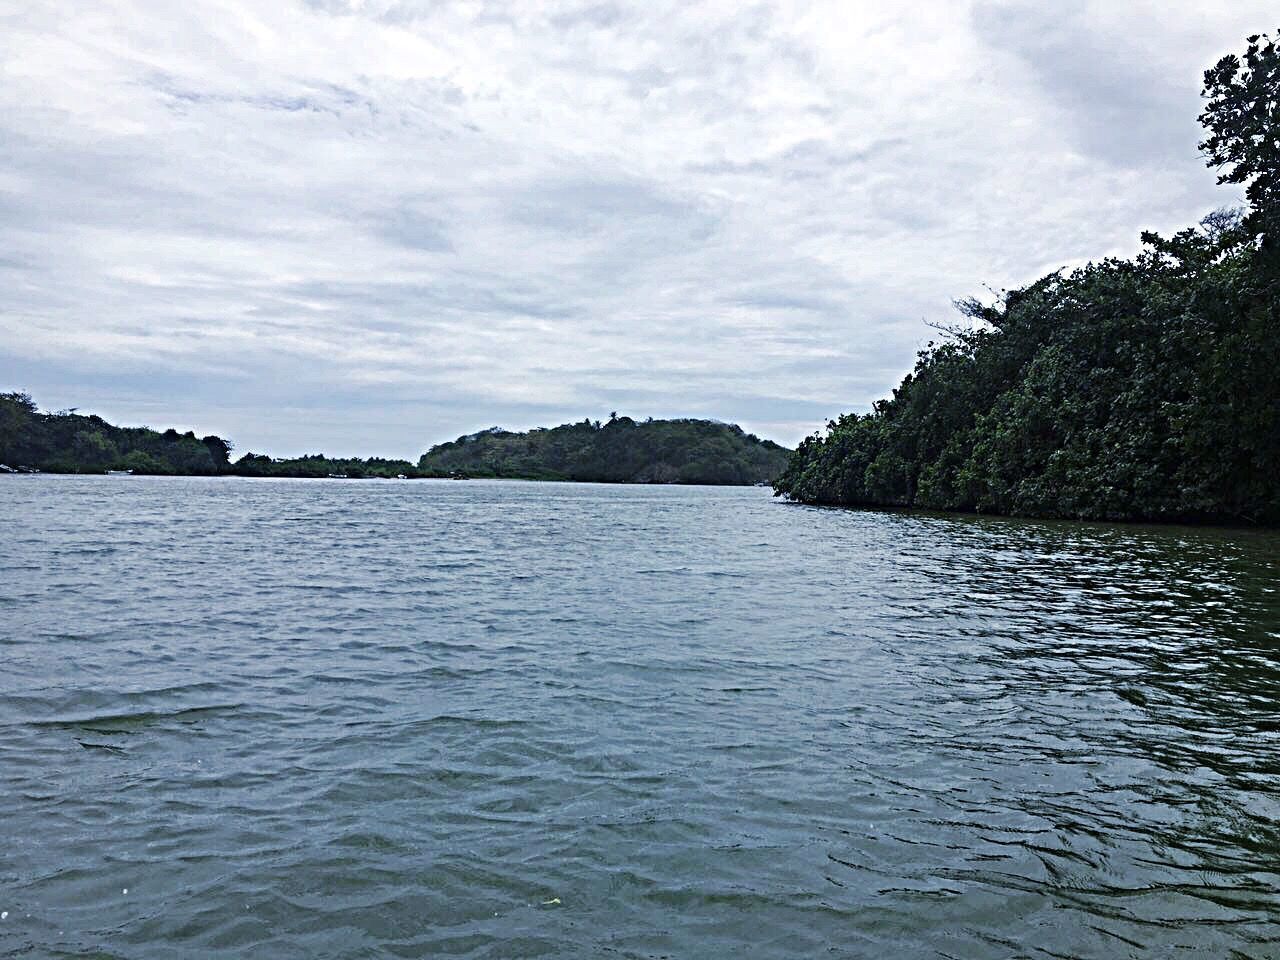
(368, 227)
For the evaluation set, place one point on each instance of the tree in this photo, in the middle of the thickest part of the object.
(219, 451)
(94, 451)
(17, 419)
(1242, 117)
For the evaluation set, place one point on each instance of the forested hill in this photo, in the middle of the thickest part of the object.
(1143, 389)
(621, 450)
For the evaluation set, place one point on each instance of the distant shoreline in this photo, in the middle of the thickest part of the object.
(405, 479)
(619, 450)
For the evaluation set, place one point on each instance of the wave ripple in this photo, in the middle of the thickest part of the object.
(301, 719)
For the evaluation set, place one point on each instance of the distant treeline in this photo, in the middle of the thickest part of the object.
(69, 442)
(318, 465)
(1126, 389)
(621, 450)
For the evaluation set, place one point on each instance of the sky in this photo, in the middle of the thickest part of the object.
(367, 226)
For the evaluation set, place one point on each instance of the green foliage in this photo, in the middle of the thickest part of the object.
(1126, 389)
(619, 451)
(69, 442)
(219, 451)
(18, 418)
(144, 463)
(94, 450)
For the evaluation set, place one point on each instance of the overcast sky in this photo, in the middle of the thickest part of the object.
(368, 226)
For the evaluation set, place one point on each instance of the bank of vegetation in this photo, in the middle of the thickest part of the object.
(316, 465)
(1139, 389)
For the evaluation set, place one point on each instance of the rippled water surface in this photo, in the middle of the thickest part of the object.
(364, 719)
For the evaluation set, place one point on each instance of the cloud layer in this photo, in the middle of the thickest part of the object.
(364, 227)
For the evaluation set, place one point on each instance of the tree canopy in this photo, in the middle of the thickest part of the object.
(1242, 120)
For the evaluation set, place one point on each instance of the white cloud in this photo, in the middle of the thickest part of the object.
(369, 226)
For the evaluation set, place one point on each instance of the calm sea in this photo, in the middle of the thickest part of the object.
(496, 719)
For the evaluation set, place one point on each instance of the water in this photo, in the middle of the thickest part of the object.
(368, 719)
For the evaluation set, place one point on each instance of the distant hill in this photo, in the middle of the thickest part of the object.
(621, 450)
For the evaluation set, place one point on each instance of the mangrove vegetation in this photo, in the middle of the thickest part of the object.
(1128, 389)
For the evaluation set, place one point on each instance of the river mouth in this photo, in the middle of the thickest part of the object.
(575, 720)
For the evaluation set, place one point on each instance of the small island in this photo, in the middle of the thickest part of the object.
(620, 450)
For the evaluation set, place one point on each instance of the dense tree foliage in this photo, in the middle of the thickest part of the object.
(621, 450)
(1126, 389)
(69, 442)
